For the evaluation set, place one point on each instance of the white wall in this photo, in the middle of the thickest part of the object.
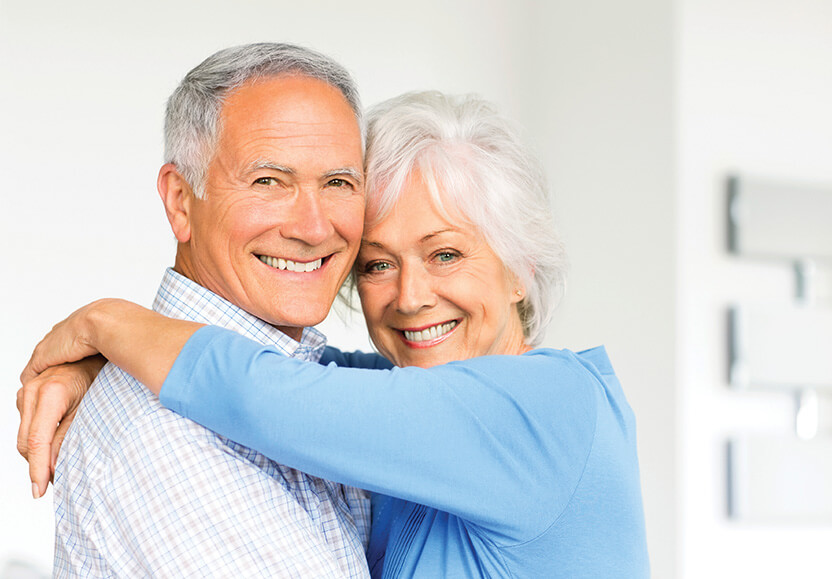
(755, 93)
(594, 82)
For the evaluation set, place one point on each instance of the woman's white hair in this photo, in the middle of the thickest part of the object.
(192, 117)
(474, 164)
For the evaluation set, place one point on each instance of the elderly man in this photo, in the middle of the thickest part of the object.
(264, 193)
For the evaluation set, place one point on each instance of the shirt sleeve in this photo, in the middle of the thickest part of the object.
(500, 441)
(180, 504)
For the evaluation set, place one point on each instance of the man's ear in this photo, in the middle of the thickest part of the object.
(177, 198)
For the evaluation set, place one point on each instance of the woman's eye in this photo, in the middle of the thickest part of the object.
(377, 266)
(446, 256)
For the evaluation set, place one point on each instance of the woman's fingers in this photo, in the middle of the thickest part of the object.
(47, 405)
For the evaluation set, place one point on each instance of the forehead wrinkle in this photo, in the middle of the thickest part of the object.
(285, 144)
(301, 130)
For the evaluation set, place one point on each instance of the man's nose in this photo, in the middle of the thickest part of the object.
(307, 219)
(416, 291)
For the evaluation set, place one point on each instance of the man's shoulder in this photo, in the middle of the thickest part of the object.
(120, 421)
(115, 404)
(121, 427)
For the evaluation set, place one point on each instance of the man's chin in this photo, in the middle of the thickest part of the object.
(293, 324)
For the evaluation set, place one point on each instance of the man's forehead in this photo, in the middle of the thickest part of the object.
(304, 102)
(293, 124)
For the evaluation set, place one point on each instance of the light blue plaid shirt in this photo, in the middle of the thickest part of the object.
(141, 491)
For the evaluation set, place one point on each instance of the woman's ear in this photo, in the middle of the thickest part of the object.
(177, 196)
(518, 295)
(518, 292)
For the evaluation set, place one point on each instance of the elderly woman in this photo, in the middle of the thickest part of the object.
(486, 455)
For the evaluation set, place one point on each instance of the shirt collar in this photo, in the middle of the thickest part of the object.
(183, 298)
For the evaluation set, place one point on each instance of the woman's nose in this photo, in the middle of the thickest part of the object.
(416, 290)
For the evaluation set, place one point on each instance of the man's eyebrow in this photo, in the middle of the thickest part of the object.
(349, 171)
(263, 164)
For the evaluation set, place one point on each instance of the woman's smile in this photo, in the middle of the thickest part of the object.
(429, 335)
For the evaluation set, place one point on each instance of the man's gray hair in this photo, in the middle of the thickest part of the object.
(192, 118)
(474, 164)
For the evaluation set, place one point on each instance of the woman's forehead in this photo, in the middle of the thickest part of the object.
(419, 188)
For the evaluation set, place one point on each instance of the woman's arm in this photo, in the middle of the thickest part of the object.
(140, 341)
(48, 399)
(500, 441)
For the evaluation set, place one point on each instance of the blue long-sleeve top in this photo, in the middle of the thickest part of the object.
(500, 466)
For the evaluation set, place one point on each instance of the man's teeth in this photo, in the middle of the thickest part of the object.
(430, 333)
(289, 265)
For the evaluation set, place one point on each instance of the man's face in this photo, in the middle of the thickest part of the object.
(281, 220)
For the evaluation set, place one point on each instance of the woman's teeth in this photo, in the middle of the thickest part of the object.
(430, 333)
(289, 265)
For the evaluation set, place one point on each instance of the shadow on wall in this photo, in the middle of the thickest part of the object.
(18, 569)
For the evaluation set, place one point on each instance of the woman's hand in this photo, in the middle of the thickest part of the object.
(141, 342)
(70, 340)
(47, 403)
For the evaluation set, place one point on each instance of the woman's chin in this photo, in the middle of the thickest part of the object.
(422, 357)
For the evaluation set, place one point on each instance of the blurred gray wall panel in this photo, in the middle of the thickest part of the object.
(784, 346)
(780, 480)
(770, 219)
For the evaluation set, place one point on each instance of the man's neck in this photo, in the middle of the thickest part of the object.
(180, 267)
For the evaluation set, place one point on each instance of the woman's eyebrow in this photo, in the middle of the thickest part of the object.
(436, 233)
(376, 244)
(425, 238)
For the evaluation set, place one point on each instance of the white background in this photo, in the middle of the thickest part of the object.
(638, 110)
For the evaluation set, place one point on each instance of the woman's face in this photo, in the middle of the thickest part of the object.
(432, 290)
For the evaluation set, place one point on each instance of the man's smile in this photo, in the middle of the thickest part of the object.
(291, 265)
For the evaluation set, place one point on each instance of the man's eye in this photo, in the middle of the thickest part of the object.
(339, 183)
(267, 181)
